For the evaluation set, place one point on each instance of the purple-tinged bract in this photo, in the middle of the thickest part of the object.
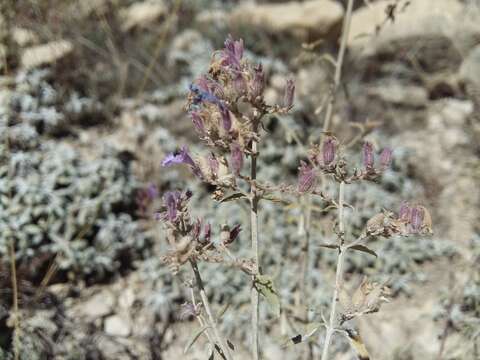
(328, 151)
(306, 177)
(368, 159)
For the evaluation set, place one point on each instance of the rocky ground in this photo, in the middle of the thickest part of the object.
(100, 85)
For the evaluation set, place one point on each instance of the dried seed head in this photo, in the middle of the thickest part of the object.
(328, 150)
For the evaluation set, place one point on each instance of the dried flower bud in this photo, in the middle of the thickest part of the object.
(232, 53)
(328, 150)
(289, 94)
(306, 177)
(416, 219)
(208, 233)
(226, 118)
(386, 157)
(187, 310)
(236, 158)
(404, 213)
(368, 159)
(258, 83)
(197, 227)
(213, 165)
(234, 233)
(197, 122)
(172, 199)
(239, 84)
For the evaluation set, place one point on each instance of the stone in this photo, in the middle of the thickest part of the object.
(142, 14)
(469, 72)
(24, 37)
(99, 305)
(397, 94)
(425, 29)
(117, 325)
(305, 21)
(45, 54)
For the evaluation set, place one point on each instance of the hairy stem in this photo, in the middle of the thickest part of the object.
(338, 273)
(254, 236)
(213, 323)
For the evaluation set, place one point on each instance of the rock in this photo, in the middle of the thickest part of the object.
(99, 305)
(470, 69)
(305, 21)
(45, 54)
(397, 94)
(142, 14)
(117, 325)
(428, 27)
(24, 37)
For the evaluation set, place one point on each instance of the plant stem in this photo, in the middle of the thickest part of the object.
(213, 323)
(338, 274)
(254, 236)
(338, 64)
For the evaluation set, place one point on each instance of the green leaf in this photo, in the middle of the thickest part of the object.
(329, 246)
(195, 338)
(232, 197)
(310, 330)
(275, 200)
(364, 249)
(222, 311)
(264, 285)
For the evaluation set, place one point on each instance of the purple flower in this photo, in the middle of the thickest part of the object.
(386, 157)
(232, 53)
(328, 150)
(226, 119)
(172, 200)
(152, 191)
(368, 159)
(201, 95)
(416, 219)
(258, 84)
(236, 158)
(181, 157)
(306, 177)
(289, 94)
(197, 122)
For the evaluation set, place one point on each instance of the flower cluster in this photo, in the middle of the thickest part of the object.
(329, 160)
(190, 239)
(226, 106)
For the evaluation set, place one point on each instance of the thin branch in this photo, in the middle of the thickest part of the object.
(338, 274)
(213, 323)
(254, 238)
